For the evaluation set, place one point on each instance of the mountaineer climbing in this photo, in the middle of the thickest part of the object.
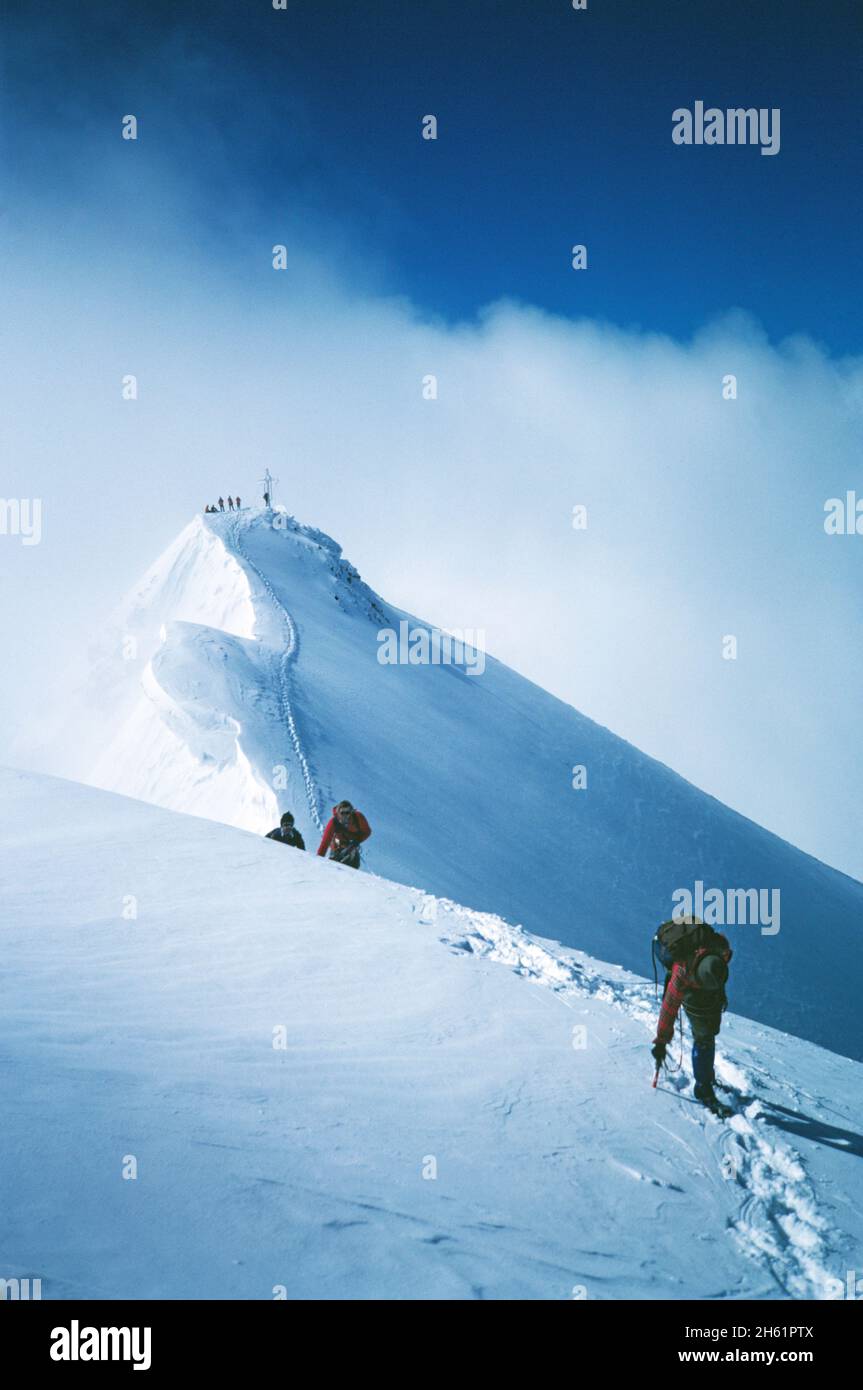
(286, 833)
(696, 959)
(345, 832)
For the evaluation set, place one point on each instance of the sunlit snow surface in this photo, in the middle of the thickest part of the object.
(346, 1088)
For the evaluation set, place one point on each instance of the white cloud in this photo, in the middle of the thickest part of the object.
(705, 515)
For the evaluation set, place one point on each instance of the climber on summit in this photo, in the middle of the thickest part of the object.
(345, 832)
(221, 504)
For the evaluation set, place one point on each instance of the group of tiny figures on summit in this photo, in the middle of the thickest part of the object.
(233, 505)
(234, 502)
(344, 833)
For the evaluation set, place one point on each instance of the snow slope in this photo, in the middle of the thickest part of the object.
(255, 686)
(429, 1130)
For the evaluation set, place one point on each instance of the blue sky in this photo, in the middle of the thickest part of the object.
(408, 257)
(554, 128)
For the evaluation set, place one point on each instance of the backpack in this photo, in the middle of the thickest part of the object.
(677, 940)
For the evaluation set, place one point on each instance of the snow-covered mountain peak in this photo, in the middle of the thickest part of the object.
(243, 677)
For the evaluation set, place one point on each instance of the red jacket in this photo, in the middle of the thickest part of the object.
(338, 835)
(682, 981)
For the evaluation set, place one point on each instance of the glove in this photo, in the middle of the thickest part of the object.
(658, 1051)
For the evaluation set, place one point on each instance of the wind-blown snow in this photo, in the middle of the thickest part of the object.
(264, 692)
(429, 1129)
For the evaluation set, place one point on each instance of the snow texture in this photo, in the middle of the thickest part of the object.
(458, 1109)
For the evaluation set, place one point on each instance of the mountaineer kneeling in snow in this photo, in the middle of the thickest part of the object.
(696, 958)
(344, 834)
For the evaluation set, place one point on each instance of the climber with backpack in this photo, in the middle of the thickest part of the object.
(696, 961)
(345, 832)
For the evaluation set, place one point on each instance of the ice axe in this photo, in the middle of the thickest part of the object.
(659, 1062)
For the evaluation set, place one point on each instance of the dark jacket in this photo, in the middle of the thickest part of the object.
(287, 837)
